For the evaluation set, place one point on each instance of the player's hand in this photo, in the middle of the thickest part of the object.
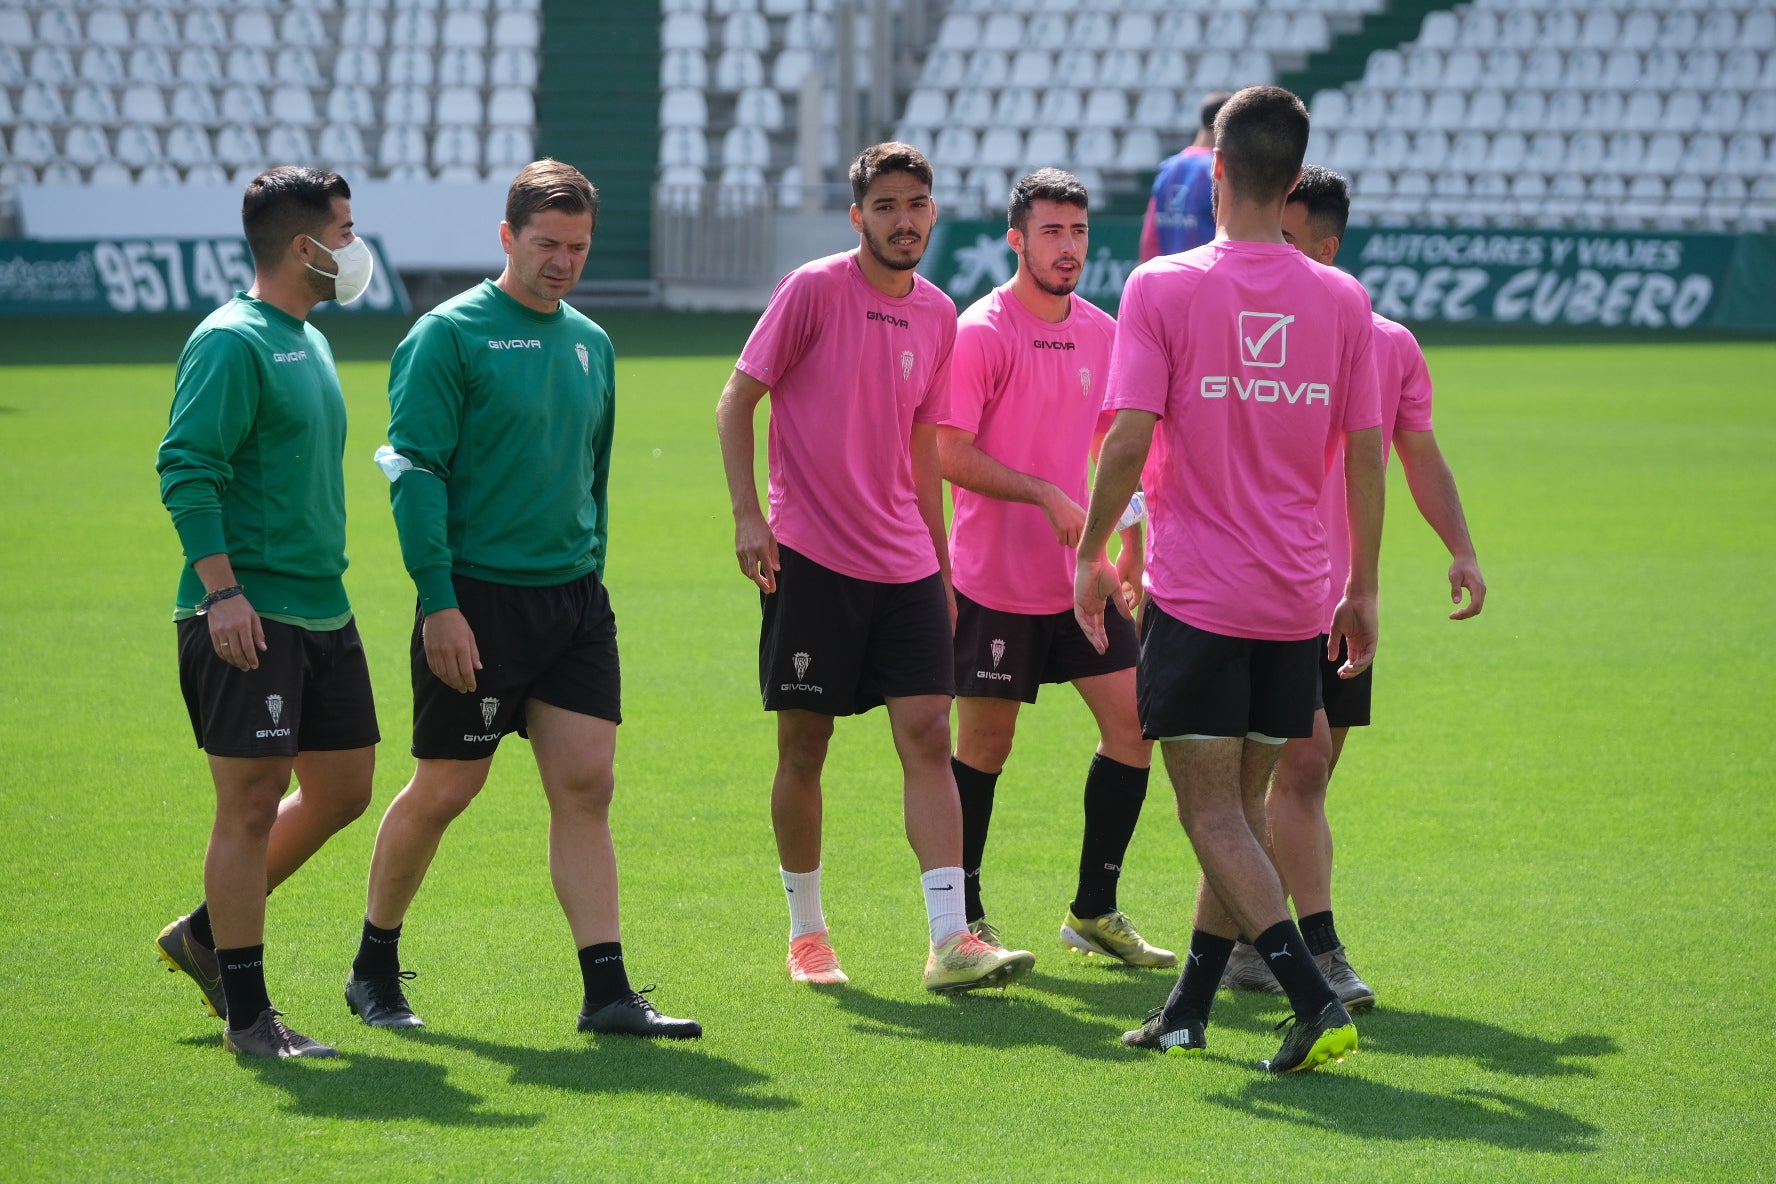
(1066, 517)
(756, 549)
(1353, 624)
(1131, 565)
(450, 649)
(236, 633)
(1465, 573)
(1094, 586)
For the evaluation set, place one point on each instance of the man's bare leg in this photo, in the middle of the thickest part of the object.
(985, 729)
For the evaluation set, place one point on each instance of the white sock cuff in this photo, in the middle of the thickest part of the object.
(944, 905)
(803, 892)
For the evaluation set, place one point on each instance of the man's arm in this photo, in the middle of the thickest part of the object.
(1433, 489)
(755, 547)
(1119, 471)
(966, 465)
(1354, 621)
(1150, 230)
(1131, 557)
(928, 486)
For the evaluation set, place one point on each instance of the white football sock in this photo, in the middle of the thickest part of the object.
(943, 902)
(803, 891)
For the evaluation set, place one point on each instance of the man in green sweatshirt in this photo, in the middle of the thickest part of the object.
(501, 403)
(270, 664)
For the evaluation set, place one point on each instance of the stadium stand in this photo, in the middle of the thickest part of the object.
(1628, 115)
(128, 92)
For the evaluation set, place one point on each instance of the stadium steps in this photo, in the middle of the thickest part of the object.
(1345, 59)
(598, 108)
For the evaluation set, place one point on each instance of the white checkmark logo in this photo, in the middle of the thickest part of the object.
(1254, 348)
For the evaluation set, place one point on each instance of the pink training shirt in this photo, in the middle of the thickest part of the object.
(1405, 383)
(1031, 392)
(1257, 360)
(850, 372)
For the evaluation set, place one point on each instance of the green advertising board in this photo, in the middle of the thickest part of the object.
(1532, 278)
(149, 275)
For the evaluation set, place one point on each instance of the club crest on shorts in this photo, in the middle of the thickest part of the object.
(906, 364)
(489, 709)
(1085, 381)
(997, 648)
(801, 661)
(274, 704)
(585, 357)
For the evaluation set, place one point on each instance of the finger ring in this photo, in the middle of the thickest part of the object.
(225, 645)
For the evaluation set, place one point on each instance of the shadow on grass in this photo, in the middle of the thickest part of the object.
(625, 1065)
(983, 1019)
(1365, 1109)
(369, 1088)
(1426, 1034)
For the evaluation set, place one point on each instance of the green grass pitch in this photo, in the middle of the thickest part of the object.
(1555, 849)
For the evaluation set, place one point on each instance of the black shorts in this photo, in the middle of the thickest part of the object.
(1346, 700)
(311, 692)
(840, 646)
(558, 645)
(1003, 655)
(1195, 683)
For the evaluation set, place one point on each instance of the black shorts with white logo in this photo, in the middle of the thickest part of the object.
(556, 644)
(1346, 700)
(1192, 682)
(839, 646)
(1002, 655)
(311, 692)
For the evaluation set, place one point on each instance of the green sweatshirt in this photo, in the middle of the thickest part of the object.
(505, 415)
(252, 465)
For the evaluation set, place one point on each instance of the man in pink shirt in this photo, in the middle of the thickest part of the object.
(1255, 364)
(852, 563)
(1301, 837)
(1026, 392)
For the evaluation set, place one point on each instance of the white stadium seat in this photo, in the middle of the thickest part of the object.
(1051, 146)
(254, 27)
(402, 144)
(414, 27)
(193, 104)
(342, 147)
(247, 64)
(238, 145)
(464, 30)
(93, 104)
(456, 146)
(510, 106)
(684, 67)
(187, 145)
(513, 67)
(683, 108)
(739, 69)
(288, 144)
(509, 149)
(363, 28)
(52, 64)
(684, 146)
(86, 145)
(462, 67)
(407, 105)
(459, 106)
(515, 29)
(296, 66)
(411, 66)
(108, 26)
(42, 103)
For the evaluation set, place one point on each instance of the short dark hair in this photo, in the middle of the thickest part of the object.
(1044, 185)
(1261, 134)
(879, 159)
(1211, 107)
(547, 184)
(281, 203)
(1326, 195)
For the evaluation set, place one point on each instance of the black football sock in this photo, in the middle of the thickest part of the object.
(601, 965)
(1113, 796)
(1189, 1003)
(200, 926)
(243, 984)
(976, 791)
(1286, 954)
(1317, 931)
(379, 952)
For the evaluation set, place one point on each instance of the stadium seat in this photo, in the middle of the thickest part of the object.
(1140, 150)
(1723, 113)
(1704, 152)
(248, 65)
(509, 149)
(1096, 148)
(188, 145)
(52, 64)
(1001, 147)
(683, 67)
(357, 66)
(1745, 155)
(12, 66)
(808, 30)
(362, 28)
(459, 106)
(85, 145)
(1015, 107)
(927, 106)
(1052, 146)
(58, 25)
(1662, 69)
(407, 105)
(1061, 107)
(1120, 68)
(513, 67)
(515, 29)
(1547, 152)
(110, 174)
(342, 147)
(684, 146)
(1106, 108)
(92, 104)
(790, 67)
(15, 28)
(292, 105)
(943, 69)
(41, 103)
(456, 146)
(462, 67)
(1179, 29)
(739, 69)
(1643, 111)
(1740, 68)
(1156, 107)
(956, 145)
(238, 145)
(253, 27)
(464, 30)
(1330, 109)
(1502, 67)
(288, 143)
(155, 26)
(32, 143)
(159, 175)
(988, 67)
(511, 106)
(100, 64)
(295, 65)
(1429, 149)
(683, 108)
(1603, 109)
(743, 145)
(203, 26)
(302, 26)
(417, 28)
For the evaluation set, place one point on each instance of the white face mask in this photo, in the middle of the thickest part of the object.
(354, 266)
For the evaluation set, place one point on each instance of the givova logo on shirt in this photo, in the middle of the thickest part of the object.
(515, 343)
(295, 355)
(1264, 338)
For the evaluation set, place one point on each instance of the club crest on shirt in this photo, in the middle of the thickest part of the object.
(1085, 381)
(801, 666)
(584, 356)
(997, 647)
(906, 364)
(489, 709)
(274, 707)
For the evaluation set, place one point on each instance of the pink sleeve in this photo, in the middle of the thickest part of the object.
(783, 333)
(1140, 369)
(935, 406)
(1362, 405)
(971, 375)
(1415, 387)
